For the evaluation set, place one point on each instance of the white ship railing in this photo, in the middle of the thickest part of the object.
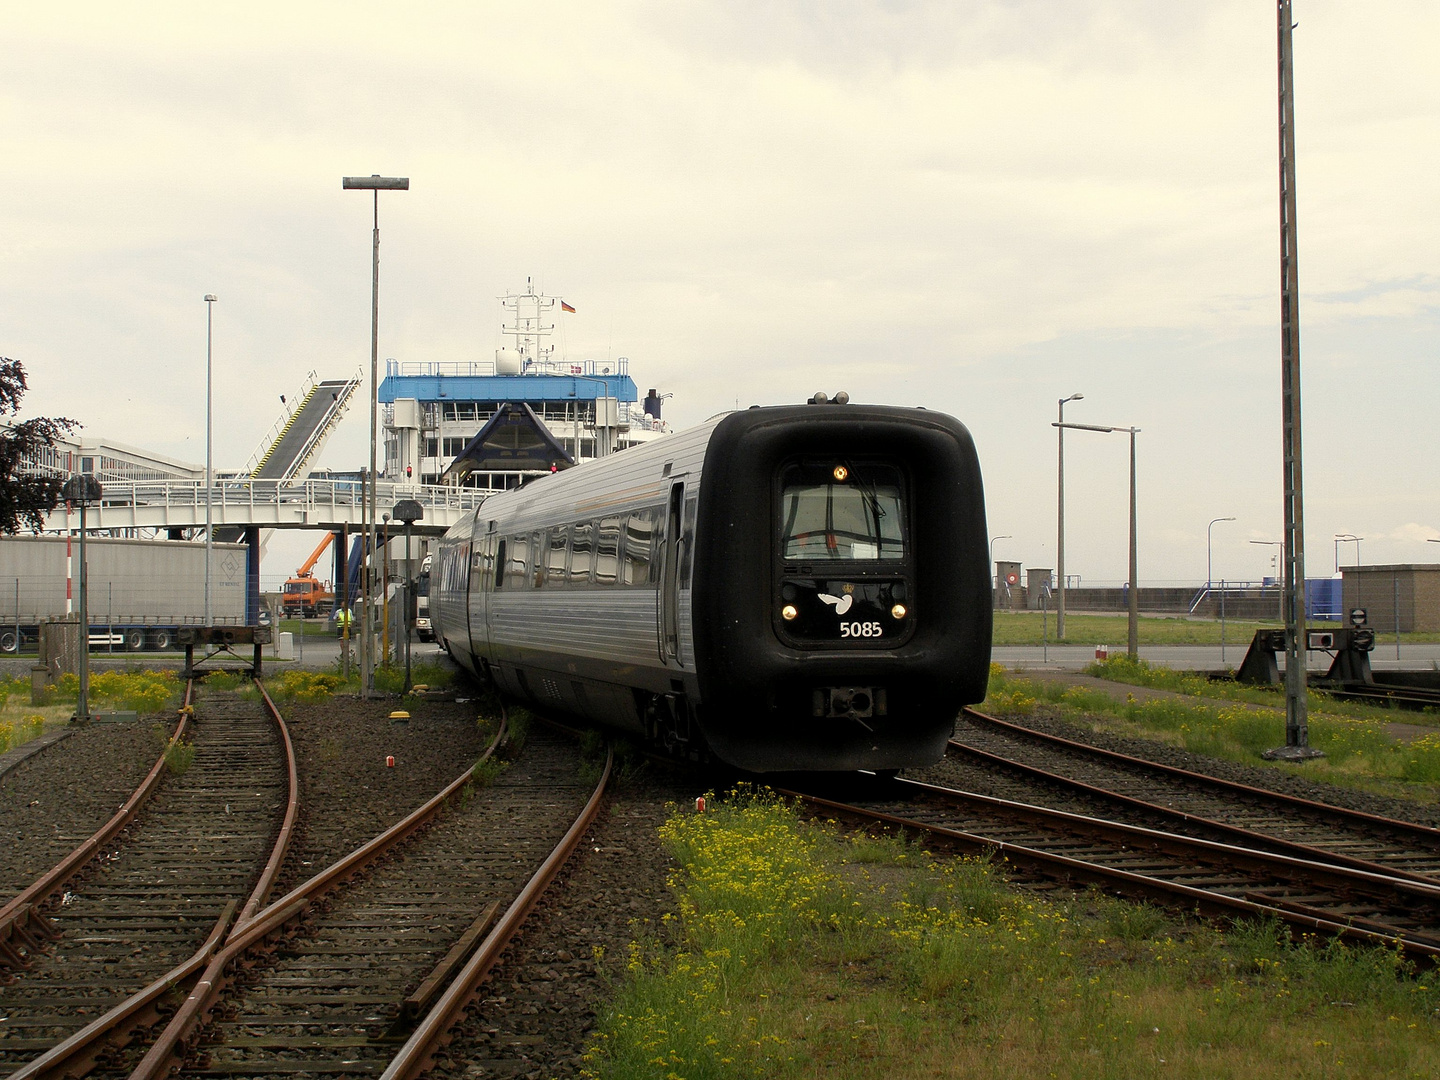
(472, 368)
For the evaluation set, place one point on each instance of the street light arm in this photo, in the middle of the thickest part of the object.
(1097, 427)
(1209, 573)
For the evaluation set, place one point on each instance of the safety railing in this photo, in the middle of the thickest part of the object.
(306, 494)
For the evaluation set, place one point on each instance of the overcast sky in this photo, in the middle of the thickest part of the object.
(979, 207)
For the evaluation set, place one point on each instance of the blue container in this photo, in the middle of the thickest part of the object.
(1323, 598)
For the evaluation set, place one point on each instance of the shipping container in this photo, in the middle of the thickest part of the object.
(140, 590)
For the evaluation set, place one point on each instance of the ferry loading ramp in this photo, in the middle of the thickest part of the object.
(298, 437)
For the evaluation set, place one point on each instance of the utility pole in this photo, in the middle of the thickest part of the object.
(1297, 729)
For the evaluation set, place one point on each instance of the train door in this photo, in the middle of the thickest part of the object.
(670, 576)
(482, 557)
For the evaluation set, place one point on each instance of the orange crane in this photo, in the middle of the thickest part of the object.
(304, 595)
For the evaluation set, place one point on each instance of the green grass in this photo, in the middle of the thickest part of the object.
(390, 678)
(1028, 628)
(19, 730)
(796, 951)
(310, 628)
(1359, 751)
(1122, 669)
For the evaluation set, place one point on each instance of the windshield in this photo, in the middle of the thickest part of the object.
(859, 517)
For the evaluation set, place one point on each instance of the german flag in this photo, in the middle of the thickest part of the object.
(566, 307)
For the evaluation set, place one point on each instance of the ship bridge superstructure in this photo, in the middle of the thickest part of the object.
(434, 409)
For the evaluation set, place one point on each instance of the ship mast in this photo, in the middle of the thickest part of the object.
(529, 311)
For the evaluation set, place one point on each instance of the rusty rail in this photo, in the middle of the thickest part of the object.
(77, 1054)
(287, 826)
(1359, 817)
(417, 1055)
(1234, 832)
(168, 1051)
(20, 917)
(1143, 886)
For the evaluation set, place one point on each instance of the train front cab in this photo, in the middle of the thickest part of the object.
(841, 593)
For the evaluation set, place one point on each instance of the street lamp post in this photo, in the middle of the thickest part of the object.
(1133, 633)
(210, 299)
(82, 488)
(1349, 538)
(375, 183)
(1060, 538)
(408, 511)
(1279, 560)
(1209, 573)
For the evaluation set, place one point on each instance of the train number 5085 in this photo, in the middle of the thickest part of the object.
(860, 629)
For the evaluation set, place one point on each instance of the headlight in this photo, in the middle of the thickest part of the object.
(898, 611)
(841, 474)
(789, 611)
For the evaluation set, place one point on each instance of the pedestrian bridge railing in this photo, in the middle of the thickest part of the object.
(269, 503)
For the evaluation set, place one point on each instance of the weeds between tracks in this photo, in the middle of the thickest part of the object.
(798, 950)
(141, 691)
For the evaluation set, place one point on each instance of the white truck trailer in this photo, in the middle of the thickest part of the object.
(140, 590)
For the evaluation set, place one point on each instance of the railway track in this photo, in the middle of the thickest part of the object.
(340, 993)
(1057, 828)
(145, 892)
(368, 980)
(1004, 758)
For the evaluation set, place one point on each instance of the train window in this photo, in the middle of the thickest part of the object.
(537, 564)
(861, 518)
(607, 552)
(500, 566)
(517, 555)
(582, 552)
(639, 538)
(688, 549)
(555, 564)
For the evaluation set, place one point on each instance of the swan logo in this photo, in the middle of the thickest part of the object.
(841, 604)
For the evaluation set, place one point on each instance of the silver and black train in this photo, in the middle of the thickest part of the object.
(793, 588)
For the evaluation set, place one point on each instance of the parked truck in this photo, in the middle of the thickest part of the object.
(140, 591)
(305, 595)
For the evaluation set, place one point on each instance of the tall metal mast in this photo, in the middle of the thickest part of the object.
(1297, 731)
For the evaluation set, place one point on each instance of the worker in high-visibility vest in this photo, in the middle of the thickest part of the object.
(343, 620)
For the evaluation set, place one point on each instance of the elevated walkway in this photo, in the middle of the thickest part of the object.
(271, 504)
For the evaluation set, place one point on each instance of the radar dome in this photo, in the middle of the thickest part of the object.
(507, 362)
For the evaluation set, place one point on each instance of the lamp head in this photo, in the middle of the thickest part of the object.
(210, 298)
(375, 182)
(409, 511)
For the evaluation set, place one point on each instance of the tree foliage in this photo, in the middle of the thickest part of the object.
(25, 497)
